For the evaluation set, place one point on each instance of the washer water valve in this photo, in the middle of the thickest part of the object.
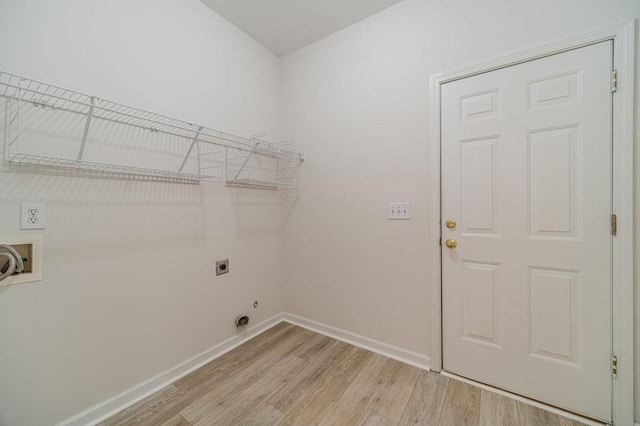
(13, 261)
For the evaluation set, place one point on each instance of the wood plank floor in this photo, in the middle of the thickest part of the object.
(292, 376)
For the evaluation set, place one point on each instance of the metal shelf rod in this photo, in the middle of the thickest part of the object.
(186, 157)
(85, 132)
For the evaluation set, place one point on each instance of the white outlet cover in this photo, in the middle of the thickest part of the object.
(33, 216)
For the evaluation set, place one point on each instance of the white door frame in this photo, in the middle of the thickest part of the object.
(623, 36)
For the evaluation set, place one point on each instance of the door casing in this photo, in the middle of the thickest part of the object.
(623, 37)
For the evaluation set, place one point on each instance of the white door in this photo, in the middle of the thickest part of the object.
(526, 175)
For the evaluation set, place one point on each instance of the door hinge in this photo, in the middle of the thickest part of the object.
(614, 81)
(440, 242)
(614, 224)
(614, 366)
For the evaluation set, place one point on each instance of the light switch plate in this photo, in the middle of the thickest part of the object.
(33, 216)
(399, 211)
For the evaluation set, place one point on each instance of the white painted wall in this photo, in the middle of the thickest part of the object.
(359, 103)
(129, 288)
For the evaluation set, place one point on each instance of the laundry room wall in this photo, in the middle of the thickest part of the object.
(129, 288)
(359, 102)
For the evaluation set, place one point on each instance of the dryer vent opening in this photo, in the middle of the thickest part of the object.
(242, 320)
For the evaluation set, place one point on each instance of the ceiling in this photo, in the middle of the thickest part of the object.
(284, 26)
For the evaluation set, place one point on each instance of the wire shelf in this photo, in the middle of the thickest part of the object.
(50, 128)
(264, 184)
(96, 169)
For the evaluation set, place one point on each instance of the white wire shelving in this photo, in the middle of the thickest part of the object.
(49, 129)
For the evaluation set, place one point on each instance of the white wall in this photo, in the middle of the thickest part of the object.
(129, 288)
(358, 101)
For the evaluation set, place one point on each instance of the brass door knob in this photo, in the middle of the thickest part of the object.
(451, 244)
(450, 223)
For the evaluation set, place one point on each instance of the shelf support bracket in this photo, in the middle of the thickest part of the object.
(246, 160)
(10, 118)
(193, 143)
(85, 132)
(7, 113)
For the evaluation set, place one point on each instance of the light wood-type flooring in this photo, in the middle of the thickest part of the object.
(292, 376)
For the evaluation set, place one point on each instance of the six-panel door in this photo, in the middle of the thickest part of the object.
(526, 175)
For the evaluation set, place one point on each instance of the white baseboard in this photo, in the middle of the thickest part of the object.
(391, 351)
(111, 406)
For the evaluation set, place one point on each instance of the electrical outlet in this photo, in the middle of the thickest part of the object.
(400, 211)
(32, 216)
